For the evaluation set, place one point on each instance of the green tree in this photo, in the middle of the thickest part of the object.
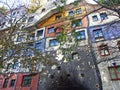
(12, 49)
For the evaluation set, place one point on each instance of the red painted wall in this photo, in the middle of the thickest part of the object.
(10, 77)
(34, 82)
(18, 77)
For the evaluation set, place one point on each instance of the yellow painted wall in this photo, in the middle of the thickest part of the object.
(50, 20)
(64, 14)
(74, 9)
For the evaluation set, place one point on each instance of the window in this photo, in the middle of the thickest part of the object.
(114, 72)
(51, 30)
(58, 17)
(78, 11)
(95, 18)
(104, 50)
(118, 43)
(98, 33)
(20, 39)
(53, 42)
(75, 55)
(29, 52)
(31, 45)
(26, 81)
(76, 23)
(15, 65)
(5, 83)
(39, 33)
(12, 83)
(3, 24)
(103, 16)
(80, 35)
(30, 19)
(70, 13)
(38, 45)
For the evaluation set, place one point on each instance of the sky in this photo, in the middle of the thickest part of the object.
(12, 3)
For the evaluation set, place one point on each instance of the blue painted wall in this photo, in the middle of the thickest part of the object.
(109, 32)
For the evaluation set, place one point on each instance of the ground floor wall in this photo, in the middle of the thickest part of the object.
(107, 76)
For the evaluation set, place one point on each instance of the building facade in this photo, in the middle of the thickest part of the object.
(91, 48)
(104, 34)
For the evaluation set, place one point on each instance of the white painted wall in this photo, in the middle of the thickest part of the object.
(111, 17)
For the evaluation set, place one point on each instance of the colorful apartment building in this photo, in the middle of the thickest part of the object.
(96, 58)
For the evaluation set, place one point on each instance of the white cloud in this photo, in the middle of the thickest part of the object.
(91, 1)
(70, 1)
(14, 3)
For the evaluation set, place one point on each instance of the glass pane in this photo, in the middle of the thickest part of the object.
(95, 18)
(100, 34)
(78, 37)
(83, 33)
(80, 23)
(106, 52)
(82, 36)
(70, 12)
(102, 52)
(56, 42)
(51, 44)
(112, 73)
(39, 33)
(50, 30)
(118, 71)
(96, 35)
(103, 16)
(78, 11)
(73, 25)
